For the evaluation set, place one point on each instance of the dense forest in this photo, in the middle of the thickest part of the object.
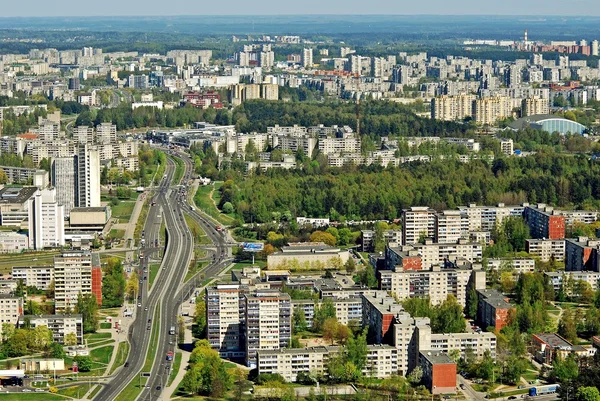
(377, 193)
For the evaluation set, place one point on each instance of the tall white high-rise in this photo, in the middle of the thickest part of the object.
(594, 47)
(64, 177)
(88, 176)
(46, 220)
(307, 58)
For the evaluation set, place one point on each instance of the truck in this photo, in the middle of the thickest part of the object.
(542, 390)
(172, 330)
(170, 356)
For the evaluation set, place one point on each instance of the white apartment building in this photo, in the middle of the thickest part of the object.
(535, 105)
(268, 322)
(347, 310)
(60, 325)
(84, 134)
(88, 177)
(292, 143)
(382, 361)
(106, 133)
(520, 265)
(225, 315)
(435, 284)
(451, 226)
(46, 220)
(307, 58)
(49, 131)
(487, 218)
(477, 343)
(557, 278)
(435, 254)
(11, 242)
(418, 221)
(451, 108)
(11, 308)
(237, 143)
(507, 146)
(34, 276)
(546, 249)
(338, 146)
(75, 273)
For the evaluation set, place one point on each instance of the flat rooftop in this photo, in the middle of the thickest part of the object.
(436, 357)
(16, 194)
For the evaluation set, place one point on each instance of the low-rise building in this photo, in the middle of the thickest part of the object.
(520, 265)
(298, 256)
(38, 365)
(11, 242)
(60, 325)
(89, 218)
(39, 277)
(548, 345)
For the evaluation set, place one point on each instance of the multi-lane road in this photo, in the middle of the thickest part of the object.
(168, 290)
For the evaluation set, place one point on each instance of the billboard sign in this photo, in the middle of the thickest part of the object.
(253, 246)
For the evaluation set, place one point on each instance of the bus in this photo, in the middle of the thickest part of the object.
(542, 390)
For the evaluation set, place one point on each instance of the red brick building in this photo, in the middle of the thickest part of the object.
(544, 222)
(439, 372)
(379, 312)
(492, 309)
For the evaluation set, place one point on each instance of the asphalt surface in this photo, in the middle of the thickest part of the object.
(168, 290)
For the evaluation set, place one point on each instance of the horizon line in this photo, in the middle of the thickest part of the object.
(537, 15)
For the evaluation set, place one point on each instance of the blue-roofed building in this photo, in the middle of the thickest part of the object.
(550, 123)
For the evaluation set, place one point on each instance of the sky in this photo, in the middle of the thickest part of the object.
(54, 8)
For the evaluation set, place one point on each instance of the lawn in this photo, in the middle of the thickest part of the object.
(76, 391)
(123, 211)
(192, 270)
(240, 265)
(154, 268)
(179, 170)
(45, 396)
(94, 392)
(116, 234)
(7, 261)
(175, 368)
(198, 233)
(203, 200)
(139, 226)
(102, 354)
(96, 337)
(105, 325)
(122, 354)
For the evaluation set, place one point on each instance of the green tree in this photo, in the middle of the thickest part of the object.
(323, 312)
(472, 302)
(350, 265)
(357, 350)
(70, 339)
(567, 327)
(88, 307)
(367, 277)
(588, 394)
(200, 317)
(84, 363)
(299, 321)
(449, 317)
(564, 370)
(113, 283)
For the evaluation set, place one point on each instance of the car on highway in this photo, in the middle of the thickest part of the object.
(146, 308)
(139, 305)
(512, 397)
(158, 387)
(26, 390)
(147, 327)
(39, 390)
(126, 364)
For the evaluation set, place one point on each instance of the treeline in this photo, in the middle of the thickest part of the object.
(377, 118)
(145, 117)
(376, 193)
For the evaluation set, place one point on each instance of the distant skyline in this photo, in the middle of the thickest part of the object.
(72, 8)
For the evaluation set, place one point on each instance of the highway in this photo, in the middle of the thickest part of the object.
(168, 290)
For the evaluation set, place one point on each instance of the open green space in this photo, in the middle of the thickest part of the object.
(123, 211)
(131, 391)
(7, 261)
(96, 337)
(139, 225)
(193, 269)
(94, 392)
(76, 391)
(116, 234)
(204, 202)
(122, 354)
(175, 368)
(154, 268)
(102, 354)
(198, 233)
(179, 170)
(45, 396)
(105, 325)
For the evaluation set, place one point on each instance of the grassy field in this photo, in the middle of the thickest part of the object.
(175, 368)
(45, 396)
(94, 392)
(192, 270)
(240, 265)
(179, 170)
(154, 268)
(159, 173)
(203, 200)
(76, 391)
(96, 337)
(102, 354)
(123, 211)
(116, 234)
(122, 354)
(7, 261)
(198, 233)
(139, 226)
(105, 325)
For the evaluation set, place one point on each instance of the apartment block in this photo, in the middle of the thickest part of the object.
(402, 258)
(39, 277)
(435, 284)
(379, 312)
(451, 108)
(75, 273)
(487, 111)
(268, 322)
(59, 325)
(88, 177)
(487, 218)
(451, 226)
(409, 336)
(417, 222)
(433, 254)
(11, 308)
(581, 254)
(477, 343)
(439, 372)
(225, 319)
(106, 133)
(390, 237)
(339, 145)
(11, 242)
(293, 144)
(544, 222)
(520, 265)
(347, 310)
(493, 308)
(64, 177)
(84, 134)
(534, 105)
(507, 146)
(46, 220)
(546, 249)
(557, 278)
